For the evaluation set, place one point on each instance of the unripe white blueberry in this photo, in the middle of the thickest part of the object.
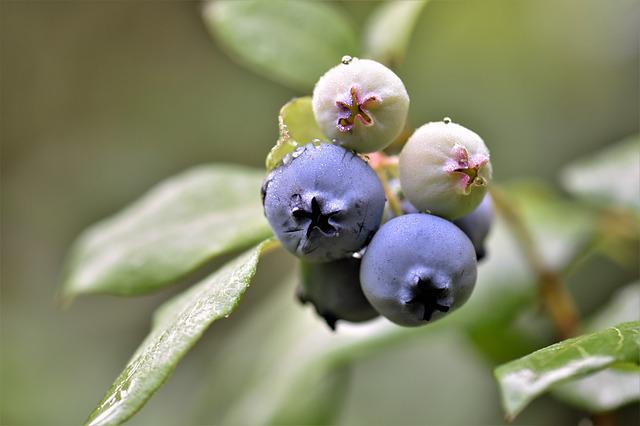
(360, 104)
(445, 169)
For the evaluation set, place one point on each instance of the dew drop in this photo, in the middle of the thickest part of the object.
(446, 120)
(293, 154)
(346, 59)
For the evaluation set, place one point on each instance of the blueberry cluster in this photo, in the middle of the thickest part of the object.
(398, 236)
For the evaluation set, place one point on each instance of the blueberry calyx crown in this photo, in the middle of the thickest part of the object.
(468, 168)
(314, 216)
(355, 109)
(432, 298)
(330, 319)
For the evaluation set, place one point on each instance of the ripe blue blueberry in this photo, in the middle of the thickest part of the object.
(417, 268)
(323, 203)
(476, 225)
(334, 290)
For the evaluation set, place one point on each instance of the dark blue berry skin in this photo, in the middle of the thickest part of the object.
(417, 268)
(477, 225)
(334, 290)
(323, 203)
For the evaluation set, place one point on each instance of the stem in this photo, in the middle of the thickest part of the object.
(386, 166)
(584, 251)
(394, 202)
(619, 232)
(557, 301)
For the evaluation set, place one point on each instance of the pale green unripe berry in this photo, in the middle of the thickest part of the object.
(445, 169)
(360, 104)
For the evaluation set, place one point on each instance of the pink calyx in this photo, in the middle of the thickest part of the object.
(466, 168)
(355, 109)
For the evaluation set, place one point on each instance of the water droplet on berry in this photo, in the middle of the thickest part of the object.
(346, 59)
(293, 155)
(359, 254)
(446, 120)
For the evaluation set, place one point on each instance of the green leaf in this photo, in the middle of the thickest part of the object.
(603, 391)
(297, 126)
(173, 229)
(388, 30)
(614, 387)
(292, 42)
(611, 176)
(524, 379)
(178, 327)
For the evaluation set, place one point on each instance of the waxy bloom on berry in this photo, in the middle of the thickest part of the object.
(418, 268)
(323, 203)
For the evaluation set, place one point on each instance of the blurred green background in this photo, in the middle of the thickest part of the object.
(100, 100)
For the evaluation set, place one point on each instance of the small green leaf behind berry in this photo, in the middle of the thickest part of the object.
(297, 127)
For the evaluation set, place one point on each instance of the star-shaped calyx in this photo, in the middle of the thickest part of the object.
(354, 109)
(431, 297)
(467, 167)
(315, 218)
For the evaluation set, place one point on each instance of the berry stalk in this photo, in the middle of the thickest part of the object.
(557, 301)
(394, 201)
(384, 166)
